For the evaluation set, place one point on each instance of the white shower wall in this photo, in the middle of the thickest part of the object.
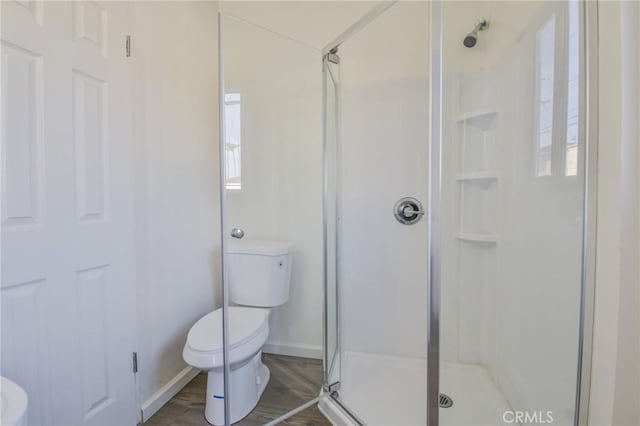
(384, 157)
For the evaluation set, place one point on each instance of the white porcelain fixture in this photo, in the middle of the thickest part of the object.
(259, 276)
(13, 404)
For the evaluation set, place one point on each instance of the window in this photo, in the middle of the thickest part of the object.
(232, 141)
(545, 73)
(557, 96)
(573, 92)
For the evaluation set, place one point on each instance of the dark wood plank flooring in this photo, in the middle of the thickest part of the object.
(293, 382)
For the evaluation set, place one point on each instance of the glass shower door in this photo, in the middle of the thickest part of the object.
(271, 152)
(513, 192)
(376, 157)
(331, 75)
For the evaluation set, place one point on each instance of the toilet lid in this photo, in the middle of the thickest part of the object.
(244, 324)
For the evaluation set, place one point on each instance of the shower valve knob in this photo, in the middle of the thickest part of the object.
(408, 211)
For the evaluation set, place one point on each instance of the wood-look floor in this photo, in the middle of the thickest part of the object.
(293, 382)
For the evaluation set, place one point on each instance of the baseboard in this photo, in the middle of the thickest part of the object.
(304, 351)
(168, 391)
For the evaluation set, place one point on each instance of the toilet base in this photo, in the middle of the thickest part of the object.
(247, 382)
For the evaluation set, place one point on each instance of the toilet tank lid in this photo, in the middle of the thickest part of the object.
(260, 247)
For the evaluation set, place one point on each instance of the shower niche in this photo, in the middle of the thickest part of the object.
(478, 176)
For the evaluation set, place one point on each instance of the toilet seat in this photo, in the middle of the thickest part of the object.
(248, 331)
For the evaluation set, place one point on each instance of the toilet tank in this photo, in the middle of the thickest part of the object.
(259, 272)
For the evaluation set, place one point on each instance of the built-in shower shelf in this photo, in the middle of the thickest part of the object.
(477, 176)
(477, 237)
(481, 119)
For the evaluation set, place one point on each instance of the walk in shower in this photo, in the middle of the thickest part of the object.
(434, 166)
(481, 116)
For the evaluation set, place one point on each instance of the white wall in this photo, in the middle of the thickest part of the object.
(615, 383)
(176, 133)
(279, 82)
(628, 353)
(383, 157)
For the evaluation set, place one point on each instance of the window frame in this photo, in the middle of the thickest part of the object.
(561, 82)
(234, 187)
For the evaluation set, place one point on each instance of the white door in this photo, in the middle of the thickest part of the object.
(67, 289)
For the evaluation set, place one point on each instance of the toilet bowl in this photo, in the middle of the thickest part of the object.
(259, 277)
(248, 331)
(13, 404)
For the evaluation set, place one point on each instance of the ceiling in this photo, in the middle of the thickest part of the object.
(314, 23)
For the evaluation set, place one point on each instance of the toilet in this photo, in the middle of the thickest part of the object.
(259, 275)
(13, 403)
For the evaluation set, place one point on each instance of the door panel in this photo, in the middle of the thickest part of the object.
(67, 289)
(332, 326)
(513, 195)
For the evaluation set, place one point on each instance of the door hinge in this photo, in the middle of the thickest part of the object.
(334, 387)
(127, 46)
(134, 359)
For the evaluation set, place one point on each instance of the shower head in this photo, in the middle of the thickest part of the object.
(472, 38)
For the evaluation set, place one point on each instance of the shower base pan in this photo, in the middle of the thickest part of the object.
(387, 390)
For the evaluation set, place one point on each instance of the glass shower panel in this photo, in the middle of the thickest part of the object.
(382, 157)
(272, 157)
(513, 191)
(331, 71)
